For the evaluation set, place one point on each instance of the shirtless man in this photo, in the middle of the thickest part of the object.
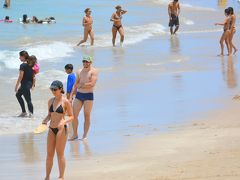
(84, 84)
(87, 24)
(173, 12)
(117, 24)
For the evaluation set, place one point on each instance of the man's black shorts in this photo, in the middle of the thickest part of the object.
(174, 21)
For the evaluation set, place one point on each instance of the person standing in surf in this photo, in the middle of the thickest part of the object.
(58, 106)
(87, 24)
(117, 24)
(232, 30)
(226, 32)
(25, 83)
(173, 12)
(7, 4)
(83, 87)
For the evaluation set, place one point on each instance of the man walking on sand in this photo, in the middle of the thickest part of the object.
(173, 12)
(84, 84)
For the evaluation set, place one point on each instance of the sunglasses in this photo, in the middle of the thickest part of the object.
(53, 89)
(84, 61)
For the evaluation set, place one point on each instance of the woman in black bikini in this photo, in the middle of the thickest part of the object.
(117, 24)
(57, 134)
(226, 32)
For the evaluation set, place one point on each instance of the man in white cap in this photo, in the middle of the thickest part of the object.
(84, 84)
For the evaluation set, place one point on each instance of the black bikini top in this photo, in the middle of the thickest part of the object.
(58, 110)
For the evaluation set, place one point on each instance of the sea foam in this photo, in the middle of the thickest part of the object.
(43, 52)
(133, 34)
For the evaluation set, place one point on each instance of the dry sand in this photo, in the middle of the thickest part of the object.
(207, 149)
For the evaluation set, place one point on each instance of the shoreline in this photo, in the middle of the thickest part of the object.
(196, 150)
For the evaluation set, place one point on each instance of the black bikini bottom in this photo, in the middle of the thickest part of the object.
(117, 27)
(55, 130)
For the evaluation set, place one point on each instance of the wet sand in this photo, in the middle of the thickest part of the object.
(206, 149)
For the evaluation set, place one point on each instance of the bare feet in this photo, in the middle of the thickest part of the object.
(235, 50)
(46, 178)
(24, 114)
(220, 54)
(73, 138)
(83, 139)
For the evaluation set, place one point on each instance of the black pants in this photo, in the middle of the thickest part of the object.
(25, 91)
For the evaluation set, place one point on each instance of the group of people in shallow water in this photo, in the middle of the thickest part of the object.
(229, 29)
(116, 18)
(117, 27)
(34, 20)
(61, 110)
(26, 20)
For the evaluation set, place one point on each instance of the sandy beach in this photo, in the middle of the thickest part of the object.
(206, 149)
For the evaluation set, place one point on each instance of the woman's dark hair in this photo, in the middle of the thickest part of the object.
(231, 11)
(32, 60)
(118, 7)
(86, 10)
(6, 18)
(24, 20)
(24, 54)
(227, 11)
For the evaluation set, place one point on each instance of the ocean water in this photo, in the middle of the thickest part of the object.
(140, 84)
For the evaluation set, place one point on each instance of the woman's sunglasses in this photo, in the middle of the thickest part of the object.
(84, 61)
(53, 89)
